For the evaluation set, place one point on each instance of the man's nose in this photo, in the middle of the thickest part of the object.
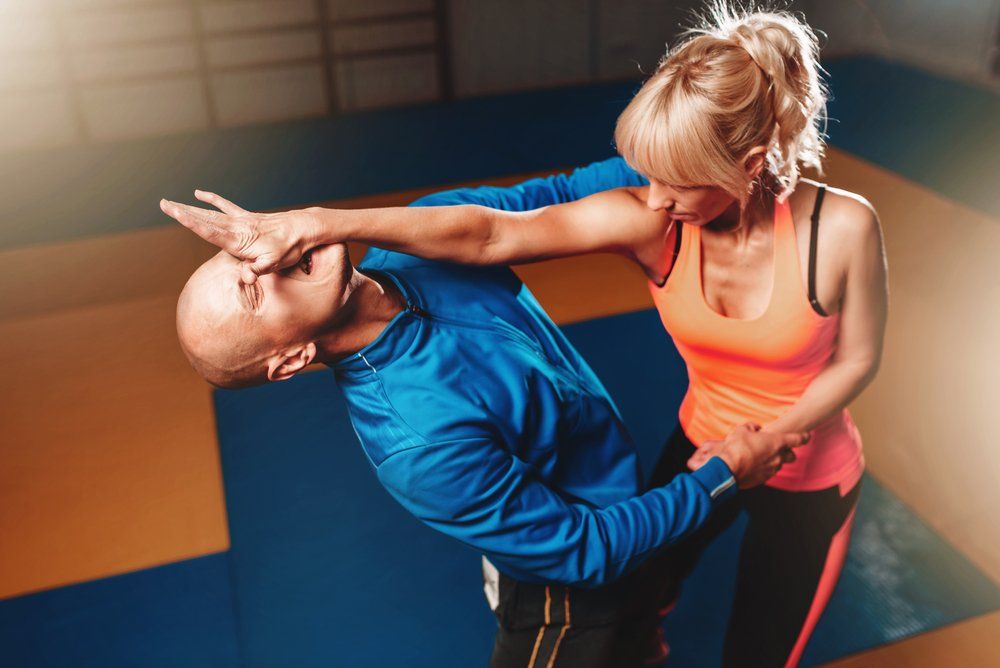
(658, 198)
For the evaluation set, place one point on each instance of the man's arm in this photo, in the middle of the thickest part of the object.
(478, 493)
(474, 490)
(541, 192)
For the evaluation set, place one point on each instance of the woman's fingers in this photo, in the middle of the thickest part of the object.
(199, 221)
(698, 459)
(219, 202)
(216, 227)
(796, 438)
(706, 451)
(256, 239)
(179, 213)
(247, 274)
(262, 266)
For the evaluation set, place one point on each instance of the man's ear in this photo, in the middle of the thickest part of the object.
(755, 162)
(289, 362)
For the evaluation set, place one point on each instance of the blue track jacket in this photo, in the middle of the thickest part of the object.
(484, 422)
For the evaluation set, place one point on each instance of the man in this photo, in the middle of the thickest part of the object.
(477, 414)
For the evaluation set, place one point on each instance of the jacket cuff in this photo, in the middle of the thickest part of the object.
(717, 480)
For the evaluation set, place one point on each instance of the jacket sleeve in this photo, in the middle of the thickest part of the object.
(539, 192)
(477, 492)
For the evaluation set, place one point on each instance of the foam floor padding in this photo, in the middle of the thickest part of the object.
(329, 571)
(180, 614)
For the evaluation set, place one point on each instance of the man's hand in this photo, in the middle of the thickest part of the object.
(751, 454)
(265, 242)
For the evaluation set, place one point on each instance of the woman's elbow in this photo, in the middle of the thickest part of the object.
(866, 370)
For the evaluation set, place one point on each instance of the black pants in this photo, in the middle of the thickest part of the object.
(785, 556)
(555, 625)
(791, 556)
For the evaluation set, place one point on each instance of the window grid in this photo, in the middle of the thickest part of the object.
(61, 14)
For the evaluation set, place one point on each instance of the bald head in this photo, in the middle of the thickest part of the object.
(237, 335)
(217, 329)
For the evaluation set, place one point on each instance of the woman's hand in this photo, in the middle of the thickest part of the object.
(752, 455)
(265, 242)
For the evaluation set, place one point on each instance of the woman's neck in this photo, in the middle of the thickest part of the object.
(739, 223)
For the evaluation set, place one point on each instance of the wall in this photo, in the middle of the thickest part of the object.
(103, 70)
(78, 71)
(953, 37)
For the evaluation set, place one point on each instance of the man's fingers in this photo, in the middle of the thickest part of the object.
(219, 202)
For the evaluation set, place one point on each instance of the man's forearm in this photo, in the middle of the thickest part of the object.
(475, 492)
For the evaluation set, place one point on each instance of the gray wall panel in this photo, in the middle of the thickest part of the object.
(520, 44)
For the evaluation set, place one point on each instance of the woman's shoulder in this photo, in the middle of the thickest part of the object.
(845, 214)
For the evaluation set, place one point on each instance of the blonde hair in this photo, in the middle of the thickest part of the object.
(739, 80)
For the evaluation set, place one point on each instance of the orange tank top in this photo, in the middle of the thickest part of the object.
(755, 370)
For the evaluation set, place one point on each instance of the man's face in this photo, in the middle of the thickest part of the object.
(297, 303)
(227, 324)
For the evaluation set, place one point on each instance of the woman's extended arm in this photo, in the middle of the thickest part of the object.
(612, 221)
(864, 310)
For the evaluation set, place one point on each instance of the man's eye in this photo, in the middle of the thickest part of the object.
(306, 262)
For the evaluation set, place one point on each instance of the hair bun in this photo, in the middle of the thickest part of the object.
(737, 81)
(786, 50)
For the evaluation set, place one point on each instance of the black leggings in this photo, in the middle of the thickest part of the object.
(791, 557)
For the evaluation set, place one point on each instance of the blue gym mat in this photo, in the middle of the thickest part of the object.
(180, 614)
(329, 571)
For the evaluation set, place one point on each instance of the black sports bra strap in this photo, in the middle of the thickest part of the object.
(677, 250)
(677, 243)
(812, 251)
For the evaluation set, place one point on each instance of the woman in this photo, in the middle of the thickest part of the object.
(773, 289)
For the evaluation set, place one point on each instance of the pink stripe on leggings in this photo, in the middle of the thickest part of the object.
(835, 557)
